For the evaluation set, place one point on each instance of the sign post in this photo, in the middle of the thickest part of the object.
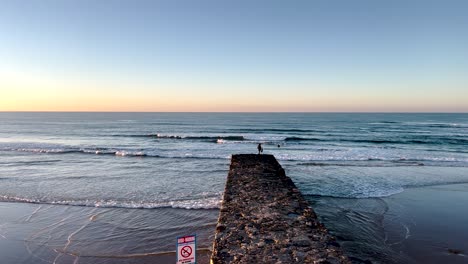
(186, 249)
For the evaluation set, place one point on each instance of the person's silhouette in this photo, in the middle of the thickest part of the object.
(260, 149)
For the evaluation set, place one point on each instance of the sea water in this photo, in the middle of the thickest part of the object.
(180, 160)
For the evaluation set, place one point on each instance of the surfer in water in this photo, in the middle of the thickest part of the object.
(260, 149)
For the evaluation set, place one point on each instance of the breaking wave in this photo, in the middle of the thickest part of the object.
(316, 157)
(203, 203)
(203, 138)
(82, 151)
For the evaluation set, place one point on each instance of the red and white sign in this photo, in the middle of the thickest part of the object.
(186, 250)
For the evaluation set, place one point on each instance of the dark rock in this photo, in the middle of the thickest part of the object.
(454, 251)
(220, 228)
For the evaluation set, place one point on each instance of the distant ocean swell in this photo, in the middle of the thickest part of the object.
(416, 139)
(420, 140)
(204, 138)
(376, 163)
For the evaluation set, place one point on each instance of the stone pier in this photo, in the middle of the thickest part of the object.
(265, 219)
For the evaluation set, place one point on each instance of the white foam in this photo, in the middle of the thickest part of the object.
(202, 203)
(372, 154)
(366, 182)
(123, 153)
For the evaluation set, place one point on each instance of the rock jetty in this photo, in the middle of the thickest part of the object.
(265, 219)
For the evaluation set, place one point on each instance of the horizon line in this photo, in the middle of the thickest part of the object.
(248, 112)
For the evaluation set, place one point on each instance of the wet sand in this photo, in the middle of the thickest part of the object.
(419, 225)
(35, 233)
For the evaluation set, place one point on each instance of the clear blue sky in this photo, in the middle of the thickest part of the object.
(234, 55)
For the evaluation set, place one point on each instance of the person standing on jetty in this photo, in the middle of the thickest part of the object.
(260, 149)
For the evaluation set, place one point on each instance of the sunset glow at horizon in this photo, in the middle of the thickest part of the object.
(242, 56)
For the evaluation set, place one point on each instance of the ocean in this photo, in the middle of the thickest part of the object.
(175, 165)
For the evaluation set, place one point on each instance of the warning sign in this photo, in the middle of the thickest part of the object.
(186, 249)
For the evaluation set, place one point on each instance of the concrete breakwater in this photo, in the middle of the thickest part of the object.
(265, 219)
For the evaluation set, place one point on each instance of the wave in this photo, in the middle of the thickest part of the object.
(275, 130)
(34, 162)
(162, 136)
(318, 158)
(369, 163)
(112, 152)
(438, 125)
(417, 140)
(384, 122)
(404, 141)
(447, 125)
(83, 151)
(148, 136)
(130, 153)
(400, 139)
(374, 141)
(215, 139)
(301, 139)
(202, 203)
(363, 192)
(361, 183)
(360, 195)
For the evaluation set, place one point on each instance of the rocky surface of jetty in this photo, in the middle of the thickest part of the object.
(265, 219)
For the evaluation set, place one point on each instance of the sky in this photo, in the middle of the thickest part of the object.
(234, 56)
